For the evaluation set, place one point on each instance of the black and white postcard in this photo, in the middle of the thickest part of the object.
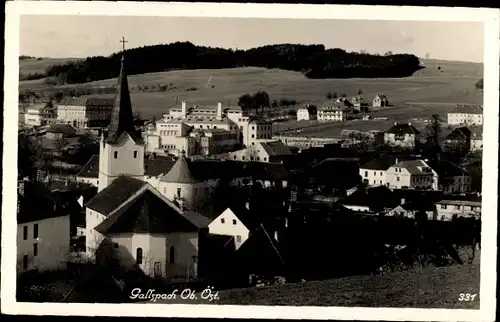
(250, 161)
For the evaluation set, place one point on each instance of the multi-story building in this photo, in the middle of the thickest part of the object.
(39, 114)
(448, 210)
(333, 112)
(466, 115)
(402, 135)
(85, 112)
(269, 151)
(305, 114)
(411, 174)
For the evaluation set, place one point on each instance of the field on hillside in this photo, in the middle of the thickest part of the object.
(453, 83)
(30, 66)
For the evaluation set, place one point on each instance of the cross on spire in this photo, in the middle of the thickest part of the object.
(123, 41)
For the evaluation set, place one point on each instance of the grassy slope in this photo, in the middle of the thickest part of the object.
(454, 84)
(28, 66)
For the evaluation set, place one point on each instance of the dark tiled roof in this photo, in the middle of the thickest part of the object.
(467, 109)
(38, 203)
(382, 163)
(158, 166)
(115, 194)
(403, 128)
(65, 129)
(459, 133)
(375, 198)
(275, 148)
(415, 167)
(446, 168)
(247, 217)
(91, 168)
(150, 213)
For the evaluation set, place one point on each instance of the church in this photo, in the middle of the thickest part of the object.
(147, 229)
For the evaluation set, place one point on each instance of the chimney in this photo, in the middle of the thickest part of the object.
(184, 108)
(396, 161)
(219, 111)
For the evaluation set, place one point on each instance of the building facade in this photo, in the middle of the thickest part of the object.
(466, 115)
(403, 135)
(85, 112)
(412, 174)
(39, 115)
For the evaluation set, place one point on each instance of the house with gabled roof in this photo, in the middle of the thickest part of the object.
(452, 178)
(412, 174)
(370, 200)
(380, 100)
(262, 151)
(466, 114)
(403, 135)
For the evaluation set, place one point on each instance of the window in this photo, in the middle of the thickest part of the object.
(25, 232)
(135, 154)
(35, 249)
(35, 231)
(172, 255)
(374, 173)
(238, 239)
(234, 221)
(138, 256)
(253, 127)
(243, 158)
(178, 192)
(397, 178)
(265, 159)
(253, 136)
(258, 158)
(115, 245)
(222, 220)
(25, 261)
(457, 207)
(366, 173)
(116, 154)
(443, 206)
(251, 158)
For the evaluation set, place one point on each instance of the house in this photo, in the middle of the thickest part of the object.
(85, 111)
(413, 209)
(39, 115)
(235, 221)
(306, 113)
(452, 178)
(371, 200)
(59, 131)
(380, 100)
(270, 151)
(373, 173)
(476, 139)
(411, 174)
(459, 139)
(403, 135)
(448, 210)
(466, 115)
(43, 228)
(357, 101)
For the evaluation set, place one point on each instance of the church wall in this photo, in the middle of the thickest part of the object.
(53, 244)
(93, 237)
(185, 246)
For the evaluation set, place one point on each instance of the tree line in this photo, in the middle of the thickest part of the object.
(315, 61)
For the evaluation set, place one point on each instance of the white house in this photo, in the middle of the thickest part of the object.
(270, 151)
(233, 222)
(39, 114)
(43, 231)
(304, 114)
(402, 135)
(451, 209)
(373, 173)
(466, 115)
(413, 174)
(380, 100)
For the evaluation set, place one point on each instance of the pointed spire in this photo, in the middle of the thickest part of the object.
(122, 118)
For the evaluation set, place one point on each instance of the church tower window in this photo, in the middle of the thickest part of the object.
(135, 154)
(116, 154)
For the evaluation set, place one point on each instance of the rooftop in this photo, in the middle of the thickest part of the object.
(274, 148)
(403, 128)
(467, 109)
(415, 167)
(460, 202)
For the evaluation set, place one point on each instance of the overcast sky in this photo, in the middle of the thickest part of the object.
(82, 36)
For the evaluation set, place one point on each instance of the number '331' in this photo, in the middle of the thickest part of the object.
(466, 297)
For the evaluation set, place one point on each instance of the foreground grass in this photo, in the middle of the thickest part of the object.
(454, 84)
(431, 288)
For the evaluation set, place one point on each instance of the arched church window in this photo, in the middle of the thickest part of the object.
(138, 256)
(172, 255)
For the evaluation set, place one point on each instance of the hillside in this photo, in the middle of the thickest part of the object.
(314, 61)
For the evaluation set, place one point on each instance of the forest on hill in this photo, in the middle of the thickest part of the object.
(314, 61)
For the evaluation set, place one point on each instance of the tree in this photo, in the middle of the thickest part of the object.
(334, 95)
(274, 104)
(433, 136)
(86, 148)
(261, 99)
(360, 91)
(329, 96)
(246, 102)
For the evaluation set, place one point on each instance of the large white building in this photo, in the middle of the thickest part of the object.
(412, 174)
(448, 210)
(204, 130)
(265, 151)
(466, 115)
(335, 112)
(85, 112)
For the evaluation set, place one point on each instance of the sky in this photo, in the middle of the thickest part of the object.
(81, 36)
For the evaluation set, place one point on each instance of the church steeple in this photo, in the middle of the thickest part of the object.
(122, 119)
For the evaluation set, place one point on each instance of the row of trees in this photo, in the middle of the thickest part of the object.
(335, 95)
(313, 60)
(261, 100)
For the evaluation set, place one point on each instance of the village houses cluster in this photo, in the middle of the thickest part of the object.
(148, 183)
